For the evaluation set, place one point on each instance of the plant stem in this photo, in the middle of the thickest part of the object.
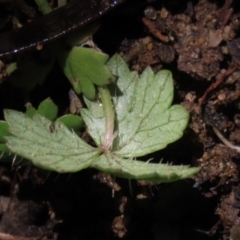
(109, 117)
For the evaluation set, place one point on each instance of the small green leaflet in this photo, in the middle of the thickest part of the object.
(85, 67)
(43, 6)
(145, 122)
(48, 109)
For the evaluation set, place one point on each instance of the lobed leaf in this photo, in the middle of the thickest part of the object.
(134, 169)
(145, 120)
(48, 146)
(82, 65)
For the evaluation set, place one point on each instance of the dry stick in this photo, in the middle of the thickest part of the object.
(155, 32)
(225, 14)
(216, 84)
(225, 141)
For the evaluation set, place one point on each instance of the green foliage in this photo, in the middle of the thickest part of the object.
(85, 67)
(144, 122)
(11, 68)
(77, 62)
(47, 109)
(4, 132)
(43, 6)
(49, 146)
(72, 122)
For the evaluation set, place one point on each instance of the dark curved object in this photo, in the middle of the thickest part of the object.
(51, 26)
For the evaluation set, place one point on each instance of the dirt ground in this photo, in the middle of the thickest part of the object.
(199, 42)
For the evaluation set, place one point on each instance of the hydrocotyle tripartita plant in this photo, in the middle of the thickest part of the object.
(134, 118)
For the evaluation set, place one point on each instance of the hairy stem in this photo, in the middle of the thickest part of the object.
(109, 117)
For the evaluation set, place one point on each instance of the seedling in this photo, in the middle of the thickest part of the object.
(133, 118)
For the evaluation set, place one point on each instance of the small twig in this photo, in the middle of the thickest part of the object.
(225, 14)
(225, 141)
(216, 84)
(155, 32)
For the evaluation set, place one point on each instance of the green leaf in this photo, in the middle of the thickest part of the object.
(72, 122)
(146, 121)
(133, 169)
(51, 147)
(3, 149)
(11, 68)
(30, 111)
(43, 6)
(48, 109)
(4, 131)
(82, 64)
